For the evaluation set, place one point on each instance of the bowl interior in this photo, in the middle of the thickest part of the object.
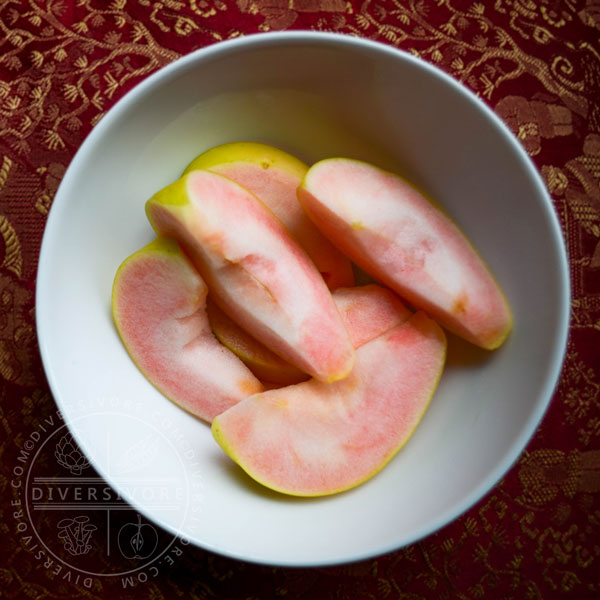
(317, 96)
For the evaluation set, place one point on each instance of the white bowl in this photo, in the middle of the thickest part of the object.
(315, 95)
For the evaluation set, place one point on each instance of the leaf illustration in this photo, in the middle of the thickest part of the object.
(138, 455)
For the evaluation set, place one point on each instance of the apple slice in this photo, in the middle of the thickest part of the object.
(255, 271)
(266, 365)
(367, 311)
(395, 234)
(158, 306)
(314, 439)
(273, 176)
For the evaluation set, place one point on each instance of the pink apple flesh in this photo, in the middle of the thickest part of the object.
(367, 311)
(395, 234)
(255, 271)
(158, 306)
(273, 176)
(315, 439)
(266, 365)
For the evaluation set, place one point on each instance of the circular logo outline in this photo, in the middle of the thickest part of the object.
(131, 506)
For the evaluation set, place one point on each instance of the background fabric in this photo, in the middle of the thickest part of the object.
(63, 64)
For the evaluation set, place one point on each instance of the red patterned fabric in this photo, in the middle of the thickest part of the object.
(63, 64)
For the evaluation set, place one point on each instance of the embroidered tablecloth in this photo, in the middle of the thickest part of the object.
(63, 64)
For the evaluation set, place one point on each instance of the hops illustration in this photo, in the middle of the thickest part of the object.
(68, 455)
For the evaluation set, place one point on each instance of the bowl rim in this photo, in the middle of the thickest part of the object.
(339, 40)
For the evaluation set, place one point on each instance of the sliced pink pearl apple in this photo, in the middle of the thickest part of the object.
(255, 271)
(159, 309)
(395, 234)
(274, 176)
(366, 311)
(314, 439)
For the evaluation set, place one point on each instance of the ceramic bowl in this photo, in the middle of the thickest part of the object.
(315, 95)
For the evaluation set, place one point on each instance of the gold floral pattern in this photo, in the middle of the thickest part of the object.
(17, 337)
(533, 121)
(64, 63)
